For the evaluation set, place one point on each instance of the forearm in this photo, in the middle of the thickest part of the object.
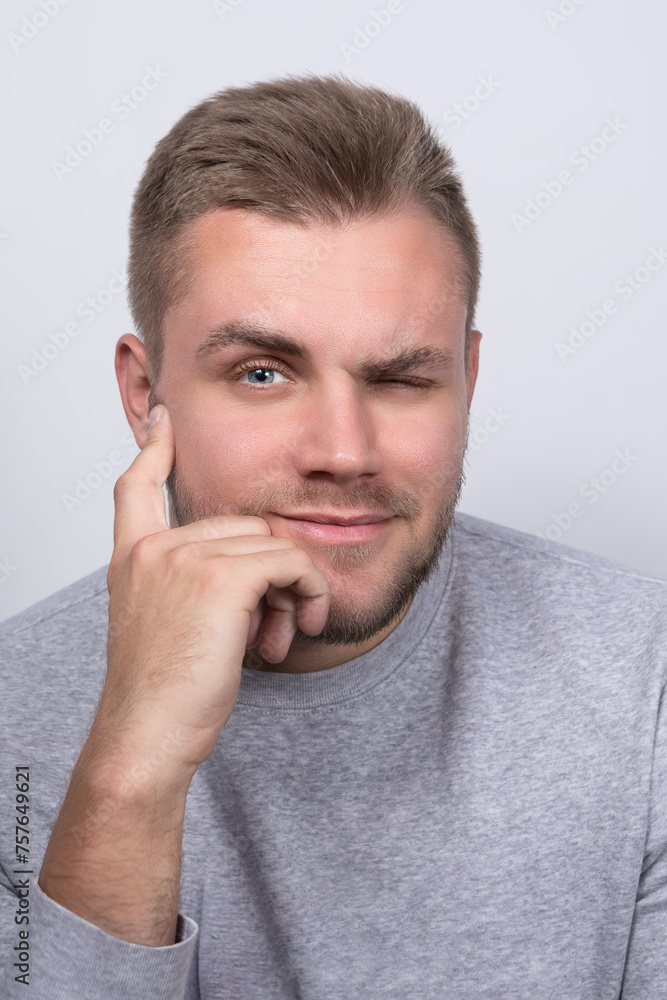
(114, 857)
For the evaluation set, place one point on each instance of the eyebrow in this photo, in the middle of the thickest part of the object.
(237, 332)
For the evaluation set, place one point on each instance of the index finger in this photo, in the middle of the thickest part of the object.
(139, 501)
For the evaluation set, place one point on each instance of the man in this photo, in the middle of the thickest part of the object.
(341, 742)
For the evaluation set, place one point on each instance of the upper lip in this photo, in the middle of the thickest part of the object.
(331, 517)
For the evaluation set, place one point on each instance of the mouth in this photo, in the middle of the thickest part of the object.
(341, 527)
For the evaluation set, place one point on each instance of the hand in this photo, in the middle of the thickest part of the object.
(186, 603)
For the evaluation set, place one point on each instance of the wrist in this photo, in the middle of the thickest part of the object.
(135, 763)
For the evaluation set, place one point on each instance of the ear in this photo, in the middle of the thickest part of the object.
(473, 365)
(134, 382)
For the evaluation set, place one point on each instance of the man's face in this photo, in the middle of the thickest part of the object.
(287, 375)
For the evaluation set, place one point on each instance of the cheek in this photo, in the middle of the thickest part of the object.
(428, 453)
(215, 453)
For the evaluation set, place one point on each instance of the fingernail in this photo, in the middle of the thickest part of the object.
(155, 415)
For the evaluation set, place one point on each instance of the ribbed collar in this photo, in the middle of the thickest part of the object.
(268, 689)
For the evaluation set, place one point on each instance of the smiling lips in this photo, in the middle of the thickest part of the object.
(339, 527)
(320, 517)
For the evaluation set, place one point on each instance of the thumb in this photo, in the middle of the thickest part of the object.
(140, 508)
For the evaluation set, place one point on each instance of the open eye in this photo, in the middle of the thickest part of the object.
(263, 375)
(260, 371)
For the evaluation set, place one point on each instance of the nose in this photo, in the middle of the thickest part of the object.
(335, 435)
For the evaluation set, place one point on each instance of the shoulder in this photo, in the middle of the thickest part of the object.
(52, 668)
(65, 607)
(507, 547)
(553, 587)
(53, 654)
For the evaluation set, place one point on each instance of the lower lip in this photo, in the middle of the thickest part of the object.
(333, 533)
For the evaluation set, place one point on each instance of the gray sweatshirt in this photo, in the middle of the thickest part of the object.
(477, 808)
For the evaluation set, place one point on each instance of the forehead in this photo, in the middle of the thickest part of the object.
(372, 282)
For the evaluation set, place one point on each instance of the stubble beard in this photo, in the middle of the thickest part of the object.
(345, 625)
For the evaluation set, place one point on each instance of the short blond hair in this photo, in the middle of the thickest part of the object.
(301, 149)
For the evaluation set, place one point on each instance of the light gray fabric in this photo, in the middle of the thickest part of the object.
(475, 809)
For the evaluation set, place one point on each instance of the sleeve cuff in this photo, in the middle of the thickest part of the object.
(72, 959)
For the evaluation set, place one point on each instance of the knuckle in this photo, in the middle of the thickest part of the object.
(142, 552)
(121, 487)
(180, 558)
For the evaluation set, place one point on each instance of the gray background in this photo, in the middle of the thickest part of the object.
(553, 78)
